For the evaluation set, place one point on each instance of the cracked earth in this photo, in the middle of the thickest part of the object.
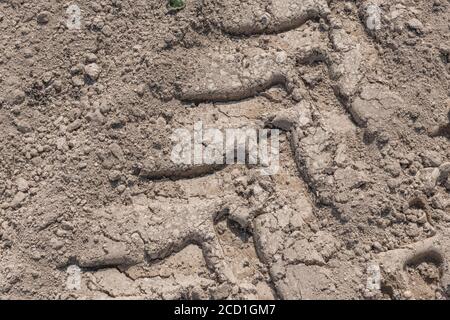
(360, 206)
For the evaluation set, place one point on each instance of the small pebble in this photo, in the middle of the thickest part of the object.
(43, 17)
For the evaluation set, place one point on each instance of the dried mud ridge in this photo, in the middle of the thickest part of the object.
(364, 177)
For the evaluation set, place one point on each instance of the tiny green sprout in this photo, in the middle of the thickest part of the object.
(177, 4)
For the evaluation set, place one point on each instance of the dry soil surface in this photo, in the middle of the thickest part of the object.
(92, 207)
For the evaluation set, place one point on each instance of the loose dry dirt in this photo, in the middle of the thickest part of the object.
(360, 208)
